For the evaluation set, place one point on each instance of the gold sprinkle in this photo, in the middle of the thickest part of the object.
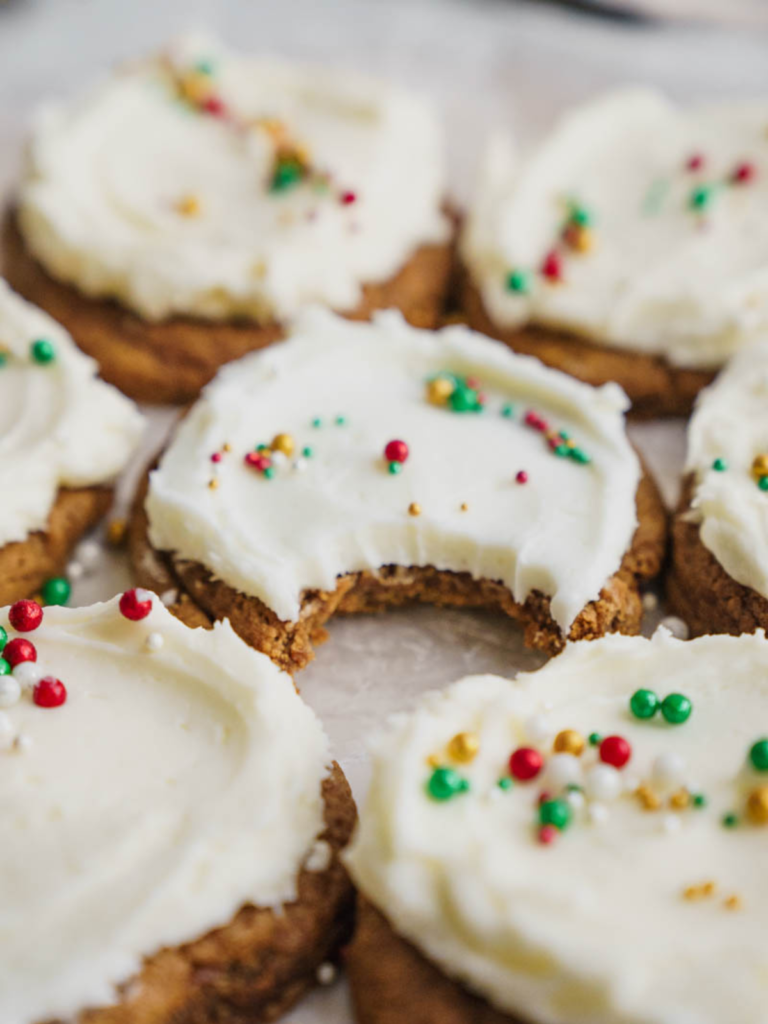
(733, 903)
(708, 888)
(760, 465)
(464, 506)
(195, 87)
(283, 443)
(414, 509)
(439, 390)
(226, 447)
(648, 798)
(680, 800)
(464, 747)
(569, 741)
(433, 761)
(213, 484)
(189, 206)
(116, 530)
(757, 805)
(699, 892)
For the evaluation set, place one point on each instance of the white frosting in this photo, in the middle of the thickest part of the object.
(593, 929)
(171, 788)
(564, 532)
(730, 424)
(105, 174)
(660, 278)
(59, 425)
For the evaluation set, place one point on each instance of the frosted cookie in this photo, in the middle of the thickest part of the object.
(542, 849)
(718, 579)
(360, 466)
(171, 828)
(175, 217)
(64, 436)
(631, 245)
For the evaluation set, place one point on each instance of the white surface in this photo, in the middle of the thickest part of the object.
(488, 62)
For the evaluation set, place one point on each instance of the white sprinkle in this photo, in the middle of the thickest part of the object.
(669, 769)
(10, 691)
(676, 627)
(27, 674)
(319, 858)
(279, 458)
(563, 769)
(154, 642)
(169, 597)
(326, 974)
(650, 601)
(537, 729)
(670, 823)
(22, 743)
(6, 731)
(576, 799)
(603, 782)
(88, 553)
(299, 465)
(75, 571)
(598, 814)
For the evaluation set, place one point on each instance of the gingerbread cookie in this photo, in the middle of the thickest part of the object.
(64, 436)
(541, 849)
(718, 579)
(171, 844)
(360, 466)
(629, 246)
(176, 217)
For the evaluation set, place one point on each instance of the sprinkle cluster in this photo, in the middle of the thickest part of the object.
(41, 351)
(575, 237)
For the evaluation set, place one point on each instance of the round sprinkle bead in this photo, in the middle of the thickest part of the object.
(42, 351)
(701, 197)
(521, 477)
(695, 162)
(760, 465)
(555, 812)
(603, 783)
(439, 390)
(719, 465)
(598, 813)
(154, 642)
(49, 693)
(395, 468)
(10, 691)
(519, 281)
(743, 173)
(25, 616)
(552, 266)
(3, 639)
(5, 668)
(283, 443)
(569, 741)
(676, 708)
(644, 703)
(57, 590)
(445, 783)
(27, 674)
(547, 835)
(757, 806)
(730, 820)
(758, 755)
(615, 751)
(396, 451)
(136, 604)
(595, 739)
(464, 747)
(18, 650)
(563, 770)
(669, 769)
(525, 764)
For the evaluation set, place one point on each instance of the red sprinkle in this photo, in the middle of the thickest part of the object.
(552, 266)
(136, 604)
(213, 105)
(615, 750)
(347, 198)
(547, 834)
(521, 477)
(695, 162)
(258, 461)
(743, 172)
(216, 457)
(532, 419)
(25, 616)
(544, 795)
(526, 763)
(396, 451)
(50, 692)
(18, 650)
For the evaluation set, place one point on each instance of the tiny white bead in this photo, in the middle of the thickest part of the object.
(10, 691)
(326, 974)
(603, 782)
(537, 729)
(27, 674)
(669, 769)
(279, 458)
(6, 731)
(676, 627)
(670, 823)
(22, 743)
(650, 602)
(154, 642)
(300, 465)
(576, 799)
(598, 814)
(88, 553)
(75, 571)
(563, 769)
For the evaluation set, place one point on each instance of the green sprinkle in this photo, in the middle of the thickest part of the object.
(5, 668)
(56, 590)
(730, 820)
(445, 783)
(395, 468)
(204, 67)
(42, 351)
(595, 739)
(758, 753)
(676, 708)
(3, 639)
(580, 215)
(580, 456)
(762, 483)
(3, 357)
(644, 703)
(464, 399)
(341, 421)
(307, 452)
(285, 176)
(701, 197)
(519, 281)
(699, 801)
(262, 448)
(555, 812)
(269, 472)
(317, 422)
(720, 465)
(565, 435)
(562, 450)
(507, 410)
(574, 787)
(505, 783)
